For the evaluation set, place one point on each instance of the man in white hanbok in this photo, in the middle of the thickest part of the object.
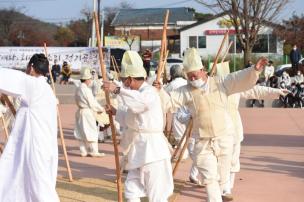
(147, 150)
(181, 118)
(29, 162)
(86, 130)
(207, 99)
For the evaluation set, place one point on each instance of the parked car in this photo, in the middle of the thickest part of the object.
(170, 63)
(287, 67)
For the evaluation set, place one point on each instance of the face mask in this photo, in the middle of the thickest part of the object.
(302, 86)
(125, 87)
(90, 84)
(199, 83)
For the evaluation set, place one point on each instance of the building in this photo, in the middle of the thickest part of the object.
(208, 35)
(148, 25)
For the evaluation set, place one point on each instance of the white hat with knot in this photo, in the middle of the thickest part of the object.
(132, 65)
(192, 60)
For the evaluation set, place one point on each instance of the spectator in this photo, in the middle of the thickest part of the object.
(66, 73)
(283, 99)
(286, 78)
(301, 95)
(260, 82)
(299, 77)
(249, 64)
(292, 96)
(268, 72)
(55, 70)
(273, 82)
(147, 56)
(295, 56)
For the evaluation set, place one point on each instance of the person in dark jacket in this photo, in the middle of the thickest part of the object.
(295, 56)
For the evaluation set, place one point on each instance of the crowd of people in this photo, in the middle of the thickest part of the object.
(140, 110)
(63, 74)
(294, 84)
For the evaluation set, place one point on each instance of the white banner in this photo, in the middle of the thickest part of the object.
(18, 57)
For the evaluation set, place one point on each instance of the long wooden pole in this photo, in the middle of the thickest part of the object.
(4, 126)
(9, 104)
(180, 142)
(162, 48)
(115, 62)
(115, 66)
(227, 51)
(60, 124)
(213, 69)
(104, 77)
(184, 147)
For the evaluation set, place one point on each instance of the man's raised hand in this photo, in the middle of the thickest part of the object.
(262, 62)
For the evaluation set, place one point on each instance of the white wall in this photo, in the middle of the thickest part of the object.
(213, 42)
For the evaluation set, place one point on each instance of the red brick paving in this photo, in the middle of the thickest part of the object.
(272, 157)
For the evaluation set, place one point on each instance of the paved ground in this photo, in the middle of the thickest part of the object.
(272, 162)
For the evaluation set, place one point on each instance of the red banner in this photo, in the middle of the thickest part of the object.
(219, 32)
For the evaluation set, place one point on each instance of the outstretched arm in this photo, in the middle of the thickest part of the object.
(245, 79)
(17, 84)
(262, 92)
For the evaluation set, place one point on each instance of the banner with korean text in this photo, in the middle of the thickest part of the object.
(77, 57)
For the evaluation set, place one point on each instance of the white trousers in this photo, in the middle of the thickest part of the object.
(194, 173)
(212, 157)
(88, 147)
(153, 180)
(235, 161)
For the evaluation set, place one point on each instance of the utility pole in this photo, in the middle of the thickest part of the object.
(93, 36)
(102, 26)
(101, 19)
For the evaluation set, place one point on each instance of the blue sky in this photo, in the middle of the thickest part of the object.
(65, 10)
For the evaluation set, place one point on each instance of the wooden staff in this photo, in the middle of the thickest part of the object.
(164, 67)
(116, 65)
(116, 69)
(227, 51)
(213, 69)
(181, 141)
(9, 104)
(104, 76)
(59, 123)
(163, 47)
(5, 127)
(184, 147)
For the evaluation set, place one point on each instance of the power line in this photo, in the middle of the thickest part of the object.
(171, 4)
(24, 1)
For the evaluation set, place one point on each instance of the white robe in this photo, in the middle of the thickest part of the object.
(144, 124)
(85, 126)
(146, 147)
(29, 162)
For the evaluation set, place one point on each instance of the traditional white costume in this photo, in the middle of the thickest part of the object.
(146, 148)
(29, 162)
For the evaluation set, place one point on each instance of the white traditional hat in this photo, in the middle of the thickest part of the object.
(132, 65)
(192, 61)
(85, 73)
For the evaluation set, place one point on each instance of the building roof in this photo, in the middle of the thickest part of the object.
(203, 21)
(267, 23)
(151, 16)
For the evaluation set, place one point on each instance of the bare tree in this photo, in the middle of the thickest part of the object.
(247, 18)
(292, 32)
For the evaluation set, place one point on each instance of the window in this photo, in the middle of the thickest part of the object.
(192, 42)
(272, 43)
(261, 45)
(236, 46)
(202, 42)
